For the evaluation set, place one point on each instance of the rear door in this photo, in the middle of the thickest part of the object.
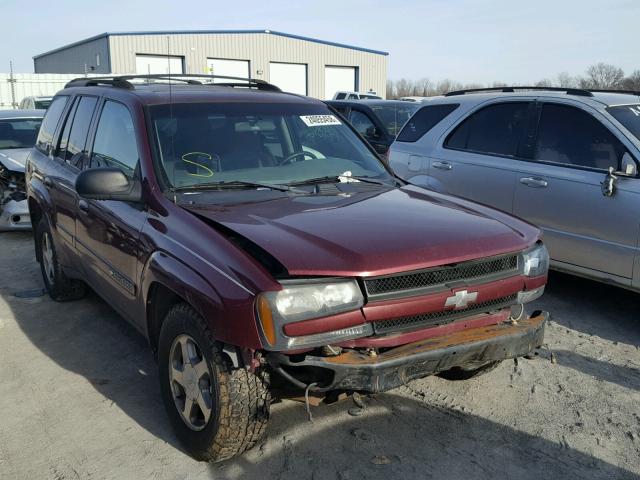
(108, 230)
(70, 154)
(560, 191)
(477, 157)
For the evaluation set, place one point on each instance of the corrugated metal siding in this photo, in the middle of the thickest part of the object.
(258, 48)
(73, 59)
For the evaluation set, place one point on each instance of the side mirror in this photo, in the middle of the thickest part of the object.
(373, 133)
(108, 184)
(628, 166)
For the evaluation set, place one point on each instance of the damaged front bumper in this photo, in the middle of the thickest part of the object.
(357, 370)
(14, 215)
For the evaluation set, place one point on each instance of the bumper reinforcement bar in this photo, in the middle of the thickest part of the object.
(357, 370)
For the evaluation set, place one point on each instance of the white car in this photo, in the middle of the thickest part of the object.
(35, 103)
(18, 132)
(356, 96)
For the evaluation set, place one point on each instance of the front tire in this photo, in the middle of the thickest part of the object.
(59, 287)
(216, 410)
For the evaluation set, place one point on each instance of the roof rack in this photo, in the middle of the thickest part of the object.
(568, 91)
(122, 81)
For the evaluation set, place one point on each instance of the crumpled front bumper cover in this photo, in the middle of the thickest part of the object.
(356, 370)
(14, 215)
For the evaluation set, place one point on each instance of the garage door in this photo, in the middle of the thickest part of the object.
(228, 68)
(339, 79)
(290, 77)
(158, 64)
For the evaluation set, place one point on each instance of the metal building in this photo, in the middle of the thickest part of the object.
(296, 64)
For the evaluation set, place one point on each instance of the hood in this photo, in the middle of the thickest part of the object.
(371, 233)
(14, 158)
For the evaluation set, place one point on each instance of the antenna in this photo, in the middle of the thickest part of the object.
(173, 148)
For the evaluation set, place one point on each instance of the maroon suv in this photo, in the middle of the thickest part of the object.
(255, 239)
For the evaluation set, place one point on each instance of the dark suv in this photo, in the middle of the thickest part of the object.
(257, 241)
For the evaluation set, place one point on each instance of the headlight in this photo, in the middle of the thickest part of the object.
(535, 262)
(306, 300)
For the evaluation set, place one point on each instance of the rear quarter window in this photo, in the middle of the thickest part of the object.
(424, 120)
(49, 124)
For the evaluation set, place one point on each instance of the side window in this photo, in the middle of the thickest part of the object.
(344, 111)
(572, 136)
(64, 136)
(341, 96)
(49, 124)
(78, 136)
(496, 129)
(115, 142)
(424, 120)
(363, 125)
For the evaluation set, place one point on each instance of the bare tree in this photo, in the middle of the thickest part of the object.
(632, 82)
(598, 76)
(564, 80)
(545, 82)
(602, 75)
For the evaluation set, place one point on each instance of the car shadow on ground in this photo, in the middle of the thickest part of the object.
(403, 437)
(628, 377)
(593, 308)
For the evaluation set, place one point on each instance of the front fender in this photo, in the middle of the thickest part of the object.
(228, 309)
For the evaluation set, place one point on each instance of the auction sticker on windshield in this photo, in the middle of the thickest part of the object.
(319, 120)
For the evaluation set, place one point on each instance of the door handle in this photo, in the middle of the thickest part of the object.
(442, 165)
(83, 205)
(535, 182)
(48, 182)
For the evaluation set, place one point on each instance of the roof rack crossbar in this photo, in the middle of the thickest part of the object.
(122, 81)
(568, 91)
(117, 82)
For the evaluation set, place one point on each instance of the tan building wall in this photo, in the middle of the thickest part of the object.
(259, 48)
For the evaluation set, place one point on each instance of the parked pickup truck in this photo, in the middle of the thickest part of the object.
(254, 238)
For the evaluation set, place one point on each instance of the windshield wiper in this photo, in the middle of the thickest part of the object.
(237, 183)
(337, 179)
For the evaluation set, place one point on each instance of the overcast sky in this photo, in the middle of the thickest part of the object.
(464, 40)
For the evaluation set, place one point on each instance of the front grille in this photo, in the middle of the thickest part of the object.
(486, 269)
(442, 317)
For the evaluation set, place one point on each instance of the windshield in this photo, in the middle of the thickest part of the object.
(43, 104)
(19, 132)
(393, 117)
(262, 143)
(629, 116)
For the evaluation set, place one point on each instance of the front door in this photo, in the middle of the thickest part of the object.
(108, 230)
(560, 191)
(477, 159)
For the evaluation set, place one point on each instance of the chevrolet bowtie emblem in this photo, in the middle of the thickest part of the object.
(461, 299)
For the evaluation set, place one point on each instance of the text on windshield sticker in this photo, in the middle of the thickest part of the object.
(319, 120)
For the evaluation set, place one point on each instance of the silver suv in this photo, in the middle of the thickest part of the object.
(565, 160)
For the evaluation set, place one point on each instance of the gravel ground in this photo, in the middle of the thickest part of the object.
(79, 399)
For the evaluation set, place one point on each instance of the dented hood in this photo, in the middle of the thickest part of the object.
(370, 233)
(14, 158)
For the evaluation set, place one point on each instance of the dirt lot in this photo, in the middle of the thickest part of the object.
(79, 399)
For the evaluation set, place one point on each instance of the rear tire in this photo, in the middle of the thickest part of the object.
(59, 287)
(460, 373)
(236, 399)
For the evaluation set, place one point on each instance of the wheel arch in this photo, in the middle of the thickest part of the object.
(166, 282)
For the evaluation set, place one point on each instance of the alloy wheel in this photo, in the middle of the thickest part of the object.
(190, 380)
(47, 258)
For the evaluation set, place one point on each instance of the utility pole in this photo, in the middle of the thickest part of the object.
(12, 84)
